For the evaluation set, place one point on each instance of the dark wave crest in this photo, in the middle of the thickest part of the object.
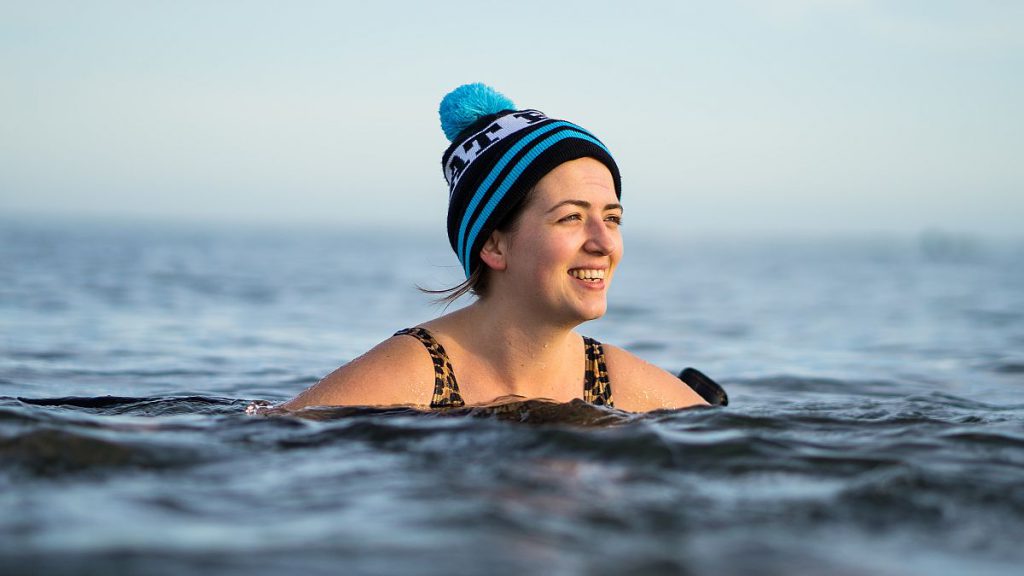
(934, 471)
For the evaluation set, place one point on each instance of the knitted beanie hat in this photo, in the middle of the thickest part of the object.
(497, 155)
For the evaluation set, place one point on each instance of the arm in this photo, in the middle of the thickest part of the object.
(396, 371)
(639, 386)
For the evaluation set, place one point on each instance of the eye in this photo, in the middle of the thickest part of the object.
(571, 217)
(614, 218)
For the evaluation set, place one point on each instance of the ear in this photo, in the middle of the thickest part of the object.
(495, 251)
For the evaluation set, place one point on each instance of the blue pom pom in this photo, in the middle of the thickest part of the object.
(467, 104)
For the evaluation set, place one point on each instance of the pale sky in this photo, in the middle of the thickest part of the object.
(790, 116)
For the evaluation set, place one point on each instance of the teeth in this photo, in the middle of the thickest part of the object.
(585, 274)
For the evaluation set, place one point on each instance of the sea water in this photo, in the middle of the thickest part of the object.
(876, 422)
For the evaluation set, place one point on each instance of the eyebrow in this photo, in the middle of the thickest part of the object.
(583, 204)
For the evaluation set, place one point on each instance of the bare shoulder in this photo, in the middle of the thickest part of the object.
(639, 386)
(396, 371)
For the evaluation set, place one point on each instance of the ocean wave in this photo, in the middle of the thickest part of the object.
(759, 477)
(52, 453)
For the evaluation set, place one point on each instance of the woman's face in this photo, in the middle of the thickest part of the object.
(567, 243)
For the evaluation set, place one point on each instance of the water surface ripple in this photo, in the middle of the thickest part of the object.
(875, 425)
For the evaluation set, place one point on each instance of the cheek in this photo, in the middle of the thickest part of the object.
(549, 260)
(532, 256)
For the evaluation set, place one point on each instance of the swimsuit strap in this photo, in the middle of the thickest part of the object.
(446, 389)
(597, 389)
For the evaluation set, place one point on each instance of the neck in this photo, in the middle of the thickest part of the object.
(500, 321)
(527, 353)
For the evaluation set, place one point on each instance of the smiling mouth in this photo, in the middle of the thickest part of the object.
(588, 274)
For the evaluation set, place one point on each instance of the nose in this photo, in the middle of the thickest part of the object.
(601, 239)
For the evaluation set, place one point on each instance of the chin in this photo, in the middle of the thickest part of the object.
(592, 312)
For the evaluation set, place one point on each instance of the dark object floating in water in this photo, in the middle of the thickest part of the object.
(708, 389)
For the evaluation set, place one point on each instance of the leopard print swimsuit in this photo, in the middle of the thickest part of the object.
(596, 387)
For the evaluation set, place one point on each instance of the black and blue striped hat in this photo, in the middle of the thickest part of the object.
(496, 157)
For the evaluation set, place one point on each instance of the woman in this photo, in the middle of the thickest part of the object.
(534, 218)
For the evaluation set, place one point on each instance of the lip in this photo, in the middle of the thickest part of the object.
(589, 285)
(596, 286)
